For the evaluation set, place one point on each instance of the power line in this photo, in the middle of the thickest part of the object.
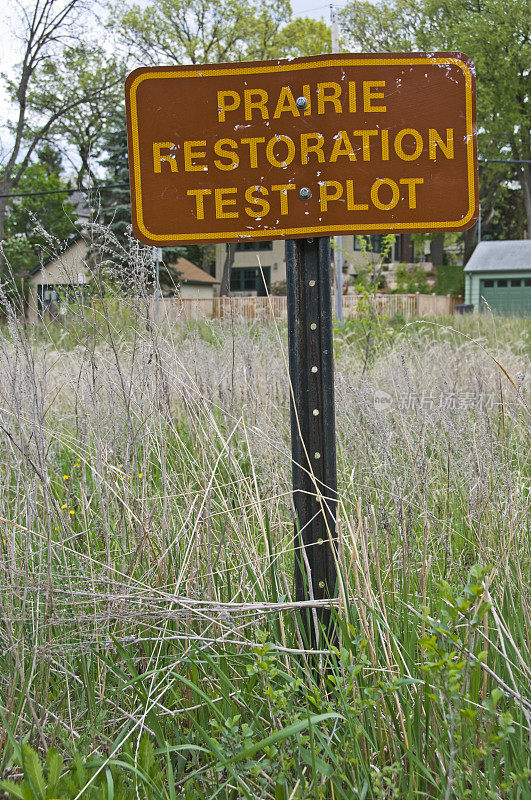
(504, 160)
(318, 8)
(68, 191)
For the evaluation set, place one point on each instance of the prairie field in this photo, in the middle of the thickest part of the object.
(150, 644)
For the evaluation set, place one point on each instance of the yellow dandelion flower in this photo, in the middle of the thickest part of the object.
(66, 477)
(71, 511)
(139, 474)
(64, 506)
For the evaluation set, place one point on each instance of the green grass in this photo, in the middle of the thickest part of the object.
(150, 645)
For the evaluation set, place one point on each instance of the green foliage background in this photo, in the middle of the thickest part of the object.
(35, 224)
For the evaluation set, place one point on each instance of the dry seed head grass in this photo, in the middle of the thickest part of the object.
(176, 443)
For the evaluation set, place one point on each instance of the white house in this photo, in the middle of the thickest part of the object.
(60, 279)
(248, 277)
(64, 279)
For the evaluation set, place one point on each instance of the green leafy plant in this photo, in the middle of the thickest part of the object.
(410, 279)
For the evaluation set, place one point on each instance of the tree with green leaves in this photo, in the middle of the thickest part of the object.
(200, 31)
(382, 26)
(46, 28)
(80, 128)
(203, 31)
(115, 202)
(39, 221)
(212, 31)
(495, 34)
(304, 37)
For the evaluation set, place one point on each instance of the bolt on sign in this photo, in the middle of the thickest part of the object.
(314, 146)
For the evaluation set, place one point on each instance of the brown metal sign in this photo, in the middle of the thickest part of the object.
(315, 146)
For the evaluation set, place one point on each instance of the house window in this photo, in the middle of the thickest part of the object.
(249, 279)
(373, 242)
(246, 247)
(56, 298)
(488, 284)
(516, 282)
(47, 297)
(527, 282)
(502, 284)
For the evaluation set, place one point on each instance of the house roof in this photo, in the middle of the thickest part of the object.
(501, 256)
(80, 202)
(189, 273)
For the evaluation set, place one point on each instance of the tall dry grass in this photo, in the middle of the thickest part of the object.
(147, 550)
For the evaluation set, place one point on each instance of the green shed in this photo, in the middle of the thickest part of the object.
(498, 276)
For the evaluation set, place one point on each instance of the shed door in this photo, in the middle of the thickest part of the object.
(506, 296)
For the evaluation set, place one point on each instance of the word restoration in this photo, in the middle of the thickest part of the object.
(314, 146)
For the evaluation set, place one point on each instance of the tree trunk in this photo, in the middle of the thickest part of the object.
(5, 188)
(207, 252)
(437, 250)
(521, 152)
(526, 186)
(227, 268)
(471, 239)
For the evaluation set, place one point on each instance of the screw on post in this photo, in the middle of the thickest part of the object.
(301, 102)
(305, 193)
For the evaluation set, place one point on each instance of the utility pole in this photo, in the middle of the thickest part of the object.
(335, 29)
(338, 240)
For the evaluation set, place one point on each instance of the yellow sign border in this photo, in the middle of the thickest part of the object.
(389, 227)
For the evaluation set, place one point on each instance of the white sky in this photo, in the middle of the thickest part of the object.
(314, 8)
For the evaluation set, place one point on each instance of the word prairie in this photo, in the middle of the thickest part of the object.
(325, 97)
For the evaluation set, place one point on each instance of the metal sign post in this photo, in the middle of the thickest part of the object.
(338, 257)
(313, 443)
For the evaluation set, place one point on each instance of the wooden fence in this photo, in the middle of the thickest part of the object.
(267, 309)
